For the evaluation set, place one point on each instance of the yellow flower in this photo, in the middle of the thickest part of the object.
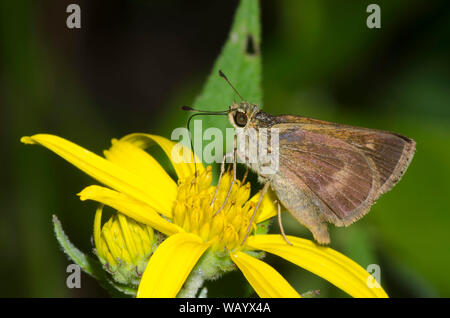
(124, 246)
(141, 189)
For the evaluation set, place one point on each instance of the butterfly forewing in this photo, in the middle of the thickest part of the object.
(346, 167)
(390, 152)
(339, 174)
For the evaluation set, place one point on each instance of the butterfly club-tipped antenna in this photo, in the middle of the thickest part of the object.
(221, 74)
(198, 113)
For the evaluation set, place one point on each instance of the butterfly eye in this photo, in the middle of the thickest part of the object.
(240, 119)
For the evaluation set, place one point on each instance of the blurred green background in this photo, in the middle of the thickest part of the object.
(133, 63)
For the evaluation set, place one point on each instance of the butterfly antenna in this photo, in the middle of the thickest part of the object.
(198, 113)
(229, 83)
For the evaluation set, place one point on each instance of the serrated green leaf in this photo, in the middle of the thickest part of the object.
(240, 60)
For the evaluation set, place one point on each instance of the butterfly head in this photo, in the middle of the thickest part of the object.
(240, 115)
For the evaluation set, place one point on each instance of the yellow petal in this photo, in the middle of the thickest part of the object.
(183, 169)
(323, 261)
(130, 207)
(267, 209)
(170, 265)
(139, 162)
(107, 172)
(128, 237)
(265, 280)
(98, 230)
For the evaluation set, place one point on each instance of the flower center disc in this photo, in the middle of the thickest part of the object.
(194, 213)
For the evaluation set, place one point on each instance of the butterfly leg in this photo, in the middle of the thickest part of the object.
(234, 176)
(245, 175)
(261, 196)
(281, 224)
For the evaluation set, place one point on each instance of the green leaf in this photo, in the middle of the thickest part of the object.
(240, 60)
(88, 264)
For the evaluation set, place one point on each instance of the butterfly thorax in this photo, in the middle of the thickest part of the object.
(255, 146)
(250, 115)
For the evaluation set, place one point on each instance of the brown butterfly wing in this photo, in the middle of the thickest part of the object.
(346, 168)
(343, 181)
(390, 152)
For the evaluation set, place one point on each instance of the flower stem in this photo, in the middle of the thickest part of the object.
(193, 283)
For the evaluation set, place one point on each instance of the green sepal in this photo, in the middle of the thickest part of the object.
(88, 264)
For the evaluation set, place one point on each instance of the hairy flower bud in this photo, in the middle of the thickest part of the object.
(124, 246)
